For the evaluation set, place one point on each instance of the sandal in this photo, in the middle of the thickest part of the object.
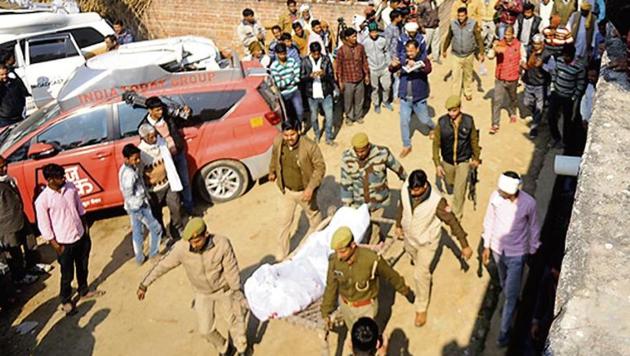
(494, 129)
(92, 295)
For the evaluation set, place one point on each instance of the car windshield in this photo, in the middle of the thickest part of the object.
(22, 129)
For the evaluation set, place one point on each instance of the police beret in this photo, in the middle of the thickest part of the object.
(360, 140)
(453, 101)
(195, 227)
(341, 238)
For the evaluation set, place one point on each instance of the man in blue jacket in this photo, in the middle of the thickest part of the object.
(413, 90)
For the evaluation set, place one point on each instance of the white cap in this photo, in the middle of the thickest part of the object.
(411, 27)
(508, 185)
(538, 38)
(304, 7)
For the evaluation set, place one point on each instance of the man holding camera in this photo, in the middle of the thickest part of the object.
(168, 127)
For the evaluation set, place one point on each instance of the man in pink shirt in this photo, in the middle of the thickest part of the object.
(512, 233)
(508, 52)
(60, 219)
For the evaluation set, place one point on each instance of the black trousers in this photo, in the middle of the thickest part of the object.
(173, 201)
(560, 105)
(74, 256)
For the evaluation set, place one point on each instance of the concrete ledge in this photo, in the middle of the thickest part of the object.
(593, 298)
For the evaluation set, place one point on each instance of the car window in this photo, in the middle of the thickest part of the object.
(79, 130)
(129, 118)
(51, 49)
(25, 127)
(210, 106)
(86, 36)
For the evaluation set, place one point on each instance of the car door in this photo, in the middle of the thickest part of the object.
(50, 59)
(86, 151)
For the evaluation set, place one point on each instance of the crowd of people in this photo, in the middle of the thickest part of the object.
(552, 47)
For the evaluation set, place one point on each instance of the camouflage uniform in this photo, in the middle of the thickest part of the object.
(366, 181)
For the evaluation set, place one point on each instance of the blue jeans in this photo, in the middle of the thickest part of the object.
(421, 110)
(327, 105)
(534, 100)
(295, 99)
(501, 27)
(181, 164)
(510, 275)
(139, 218)
(395, 86)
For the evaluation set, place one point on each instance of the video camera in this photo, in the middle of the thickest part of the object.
(173, 109)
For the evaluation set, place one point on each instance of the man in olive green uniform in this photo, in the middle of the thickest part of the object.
(298, 167)
(353, 274)
(364, 177)
(212, 270)
(456, 140)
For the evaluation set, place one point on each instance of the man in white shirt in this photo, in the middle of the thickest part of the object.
(249, 30)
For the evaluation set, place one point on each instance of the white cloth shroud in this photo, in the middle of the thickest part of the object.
(283, 289)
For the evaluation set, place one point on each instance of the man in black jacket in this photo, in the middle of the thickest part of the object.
(169, 129)
(456, 139)
(13, 95)
(13, 227)
(317, 76)
(536, 81)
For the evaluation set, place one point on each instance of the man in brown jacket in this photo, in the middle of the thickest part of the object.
(297, 166)
(212, 270)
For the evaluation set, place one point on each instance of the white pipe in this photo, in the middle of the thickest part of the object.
(567, 165)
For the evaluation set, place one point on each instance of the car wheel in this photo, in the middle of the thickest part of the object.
(223, 181)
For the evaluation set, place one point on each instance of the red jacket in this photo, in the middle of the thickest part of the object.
(508, 62)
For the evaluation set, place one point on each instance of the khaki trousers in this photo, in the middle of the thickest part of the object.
(422, 257)
(374, 233)
(351, 314)
(462, 74)
(287, 205)
(457, 177)
(223, 310)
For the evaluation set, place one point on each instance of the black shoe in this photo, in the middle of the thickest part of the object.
(533, 133)
(230, 351)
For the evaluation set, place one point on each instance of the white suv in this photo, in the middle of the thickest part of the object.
(49, 46)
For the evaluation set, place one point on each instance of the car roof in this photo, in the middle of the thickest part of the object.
(15, 26)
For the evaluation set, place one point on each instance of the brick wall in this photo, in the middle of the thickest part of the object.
(217, 19)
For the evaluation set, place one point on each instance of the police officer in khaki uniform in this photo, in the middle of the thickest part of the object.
(212, 269)
(353, 278)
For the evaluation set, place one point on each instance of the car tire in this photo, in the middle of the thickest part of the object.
(222, 181)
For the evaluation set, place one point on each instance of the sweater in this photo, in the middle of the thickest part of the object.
(569, 79)
(286, 75)
(377, 53)
(508, 60)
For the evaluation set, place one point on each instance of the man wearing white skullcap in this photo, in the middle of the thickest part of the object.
(511, 232)
(536, 80)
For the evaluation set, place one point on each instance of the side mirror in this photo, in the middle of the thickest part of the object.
(41, 150)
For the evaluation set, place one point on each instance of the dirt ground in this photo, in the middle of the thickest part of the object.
(165, 324)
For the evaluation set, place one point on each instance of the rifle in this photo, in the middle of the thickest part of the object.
(472, 186)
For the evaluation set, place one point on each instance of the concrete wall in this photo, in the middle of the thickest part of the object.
(593, 300)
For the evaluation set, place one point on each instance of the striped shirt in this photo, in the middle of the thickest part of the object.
(569, 79)
(286, 75)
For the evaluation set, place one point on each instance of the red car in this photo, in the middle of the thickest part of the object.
(235, 117)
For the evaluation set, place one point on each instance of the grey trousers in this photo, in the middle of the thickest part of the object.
(353, 97)
(504, 90)
(381, 79)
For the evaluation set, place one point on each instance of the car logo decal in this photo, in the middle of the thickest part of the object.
(75, 173)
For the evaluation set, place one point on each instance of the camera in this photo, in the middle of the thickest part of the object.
(173, 109)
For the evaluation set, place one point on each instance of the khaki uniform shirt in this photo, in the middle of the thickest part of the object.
(212, 270)
(358, 281)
